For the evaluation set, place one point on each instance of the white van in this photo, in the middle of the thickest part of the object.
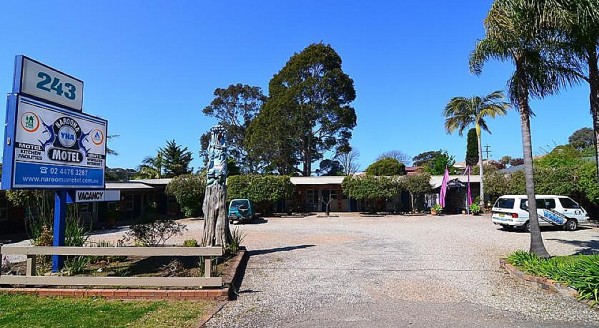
(511, 211)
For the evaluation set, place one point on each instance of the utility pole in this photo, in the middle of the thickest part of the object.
(487, 151)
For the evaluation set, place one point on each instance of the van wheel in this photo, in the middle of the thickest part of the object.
(571, 225)
(526, 227)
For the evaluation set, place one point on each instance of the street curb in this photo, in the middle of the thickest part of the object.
(233, 276)
(539, 282)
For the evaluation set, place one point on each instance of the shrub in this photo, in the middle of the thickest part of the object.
(39, 213)
(370, 188)
(263, 190)
(580, 272)
(190, 243)
(475, 208)
(236, 241)
(189, 191)
(154, 233)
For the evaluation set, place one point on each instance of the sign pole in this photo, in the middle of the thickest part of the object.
(60, 214)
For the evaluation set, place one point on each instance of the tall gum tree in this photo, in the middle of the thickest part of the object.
(515, 32)
(235, 107)
(307, 113)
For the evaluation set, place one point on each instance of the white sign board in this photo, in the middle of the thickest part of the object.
(82, 196)
(53, 147)
(46, 83)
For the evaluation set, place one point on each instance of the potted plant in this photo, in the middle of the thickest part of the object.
(475, 209)
(436, 209)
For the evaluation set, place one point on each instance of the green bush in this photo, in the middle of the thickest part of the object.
(188, 190)
(475, 208)
(263, 190)
(190, 243)
(236, 241)
(370, 188)
(580, 272)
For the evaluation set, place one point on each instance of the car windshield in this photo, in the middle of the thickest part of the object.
(239, 202)
(505, 203)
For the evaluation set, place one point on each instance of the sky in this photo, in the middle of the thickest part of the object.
(150, 67)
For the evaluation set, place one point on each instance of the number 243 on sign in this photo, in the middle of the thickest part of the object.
(53, 84)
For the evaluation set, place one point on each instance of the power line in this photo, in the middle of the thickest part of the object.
(487, 151)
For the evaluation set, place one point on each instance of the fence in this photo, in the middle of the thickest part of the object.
(32, 251)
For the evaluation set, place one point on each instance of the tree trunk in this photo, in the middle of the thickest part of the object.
(594, 100)
(481, 201)
(536, 240)
(216, 222)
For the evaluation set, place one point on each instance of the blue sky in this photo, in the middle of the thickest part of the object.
(150, 67)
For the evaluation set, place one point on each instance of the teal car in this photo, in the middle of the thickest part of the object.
(241, 210)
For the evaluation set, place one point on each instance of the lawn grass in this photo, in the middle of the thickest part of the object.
(580, 272)
(32, 311)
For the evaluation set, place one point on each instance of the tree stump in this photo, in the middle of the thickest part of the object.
(216, 222)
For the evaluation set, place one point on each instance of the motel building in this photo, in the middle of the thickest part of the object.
(124, 202)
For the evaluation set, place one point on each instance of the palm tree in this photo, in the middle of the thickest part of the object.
(577, 22)
(514, 31)
(110, 151)
(462, 112)
(151, 167)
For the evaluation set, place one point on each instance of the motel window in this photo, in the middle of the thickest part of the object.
(334, 194)
(84, 207)
(128, 203)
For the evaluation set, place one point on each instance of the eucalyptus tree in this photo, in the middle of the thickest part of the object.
(397, 155)
(308, 111)
(462, 112)
(582, 139)
(349, 161)
(235, 107)
(515, 32)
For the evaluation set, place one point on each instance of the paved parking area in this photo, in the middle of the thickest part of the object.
(396, 271)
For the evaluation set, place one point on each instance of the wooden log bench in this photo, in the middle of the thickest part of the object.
(208, 253)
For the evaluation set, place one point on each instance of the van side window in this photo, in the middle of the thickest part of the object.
(541, 203)
(505, 203)
(568, 203)
(550, 203)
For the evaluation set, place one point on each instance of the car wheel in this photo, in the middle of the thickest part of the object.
(571, 225)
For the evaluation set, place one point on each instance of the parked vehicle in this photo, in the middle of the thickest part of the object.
(511, 211)
(241, 210)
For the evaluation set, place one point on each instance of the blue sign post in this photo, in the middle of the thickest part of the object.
(49, 142)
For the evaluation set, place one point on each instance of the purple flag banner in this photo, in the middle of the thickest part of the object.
(469, 197)
(443, 190)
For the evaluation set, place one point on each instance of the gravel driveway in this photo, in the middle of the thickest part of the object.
(396, 271)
